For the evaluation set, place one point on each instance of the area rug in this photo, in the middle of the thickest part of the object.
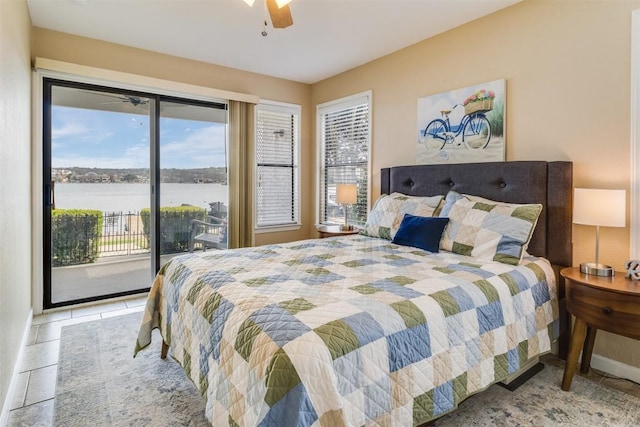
(541, 402)
(101, 384)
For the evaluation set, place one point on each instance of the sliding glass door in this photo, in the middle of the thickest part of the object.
(193, 176)
(126, 174)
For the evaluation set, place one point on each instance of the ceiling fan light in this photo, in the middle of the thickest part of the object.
(249, 2)
(281, 3)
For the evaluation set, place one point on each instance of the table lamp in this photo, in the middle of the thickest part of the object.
(346, 194)
(602, 208)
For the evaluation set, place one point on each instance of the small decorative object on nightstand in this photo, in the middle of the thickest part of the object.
(600, 208)
(608, 303)
(334, 230)
(633, 269)
(346, 194)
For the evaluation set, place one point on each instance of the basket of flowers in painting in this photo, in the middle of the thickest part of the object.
(480, 102)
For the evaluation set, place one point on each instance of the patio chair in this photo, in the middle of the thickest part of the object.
(211, 233)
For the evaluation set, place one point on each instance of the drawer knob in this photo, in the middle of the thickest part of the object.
(607, 310)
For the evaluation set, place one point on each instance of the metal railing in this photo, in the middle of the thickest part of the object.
(122, 234)
(84, 236)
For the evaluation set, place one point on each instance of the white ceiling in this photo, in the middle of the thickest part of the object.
(327, 37)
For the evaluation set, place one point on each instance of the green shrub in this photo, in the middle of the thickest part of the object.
(75, 236)
(175, 226)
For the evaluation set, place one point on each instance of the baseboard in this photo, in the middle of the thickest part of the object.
(615, 368)
(6, 406)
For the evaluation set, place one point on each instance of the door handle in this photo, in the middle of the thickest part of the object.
(52, 195)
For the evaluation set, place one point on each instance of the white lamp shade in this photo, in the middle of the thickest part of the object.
(346, 194)
(599, 207)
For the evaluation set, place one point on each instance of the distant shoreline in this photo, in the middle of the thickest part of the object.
(72, 175)
(145, 183)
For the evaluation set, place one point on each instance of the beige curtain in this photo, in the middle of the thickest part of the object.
(241, 174)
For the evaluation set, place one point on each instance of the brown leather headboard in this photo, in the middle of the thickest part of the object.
(547, 183)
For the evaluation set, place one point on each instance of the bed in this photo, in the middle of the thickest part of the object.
(357, 330)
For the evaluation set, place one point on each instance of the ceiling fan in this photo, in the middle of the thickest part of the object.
(127, 99)
(279, 12)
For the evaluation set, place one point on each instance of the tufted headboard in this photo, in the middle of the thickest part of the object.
(547, 183)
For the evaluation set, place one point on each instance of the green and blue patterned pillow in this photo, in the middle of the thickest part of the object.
(387, 213)
(486, 229)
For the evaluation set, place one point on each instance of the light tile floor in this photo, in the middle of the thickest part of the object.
(33, 403)
(36, 386)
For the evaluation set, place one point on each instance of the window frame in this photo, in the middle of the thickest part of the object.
(294, 109)
(327, 107)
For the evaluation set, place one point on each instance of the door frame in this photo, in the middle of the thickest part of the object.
(47, 84)
(45, 68)
(634, 196)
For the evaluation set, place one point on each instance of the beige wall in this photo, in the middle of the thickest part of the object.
(567, 67)
(95, 53)
(15, 199)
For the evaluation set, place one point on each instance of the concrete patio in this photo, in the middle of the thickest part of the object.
(109, 275)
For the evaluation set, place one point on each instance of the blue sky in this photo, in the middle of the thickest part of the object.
(104, 139)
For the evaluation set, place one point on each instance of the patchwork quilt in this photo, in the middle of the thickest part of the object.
(347, 331)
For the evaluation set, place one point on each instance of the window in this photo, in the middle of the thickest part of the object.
(277, 175)
(344, 134)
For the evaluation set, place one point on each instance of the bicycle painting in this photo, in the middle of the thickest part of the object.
(465, 125)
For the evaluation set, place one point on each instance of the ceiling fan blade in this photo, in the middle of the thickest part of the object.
(280, 17)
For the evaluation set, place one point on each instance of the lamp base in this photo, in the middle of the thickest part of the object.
(345, 227)
(597, 269)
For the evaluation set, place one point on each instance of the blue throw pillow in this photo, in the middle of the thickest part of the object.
(421, 232)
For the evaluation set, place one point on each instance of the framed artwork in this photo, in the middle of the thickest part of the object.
(462, 126)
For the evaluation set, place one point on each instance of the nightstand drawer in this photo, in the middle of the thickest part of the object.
(609, 311)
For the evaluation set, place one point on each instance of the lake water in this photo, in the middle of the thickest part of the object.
(123, 197)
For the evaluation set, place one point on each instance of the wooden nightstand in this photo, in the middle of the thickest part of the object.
(608, 303)
(334, 230)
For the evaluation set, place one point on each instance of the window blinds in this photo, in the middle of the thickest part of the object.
(277, 165)
(344, 137)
